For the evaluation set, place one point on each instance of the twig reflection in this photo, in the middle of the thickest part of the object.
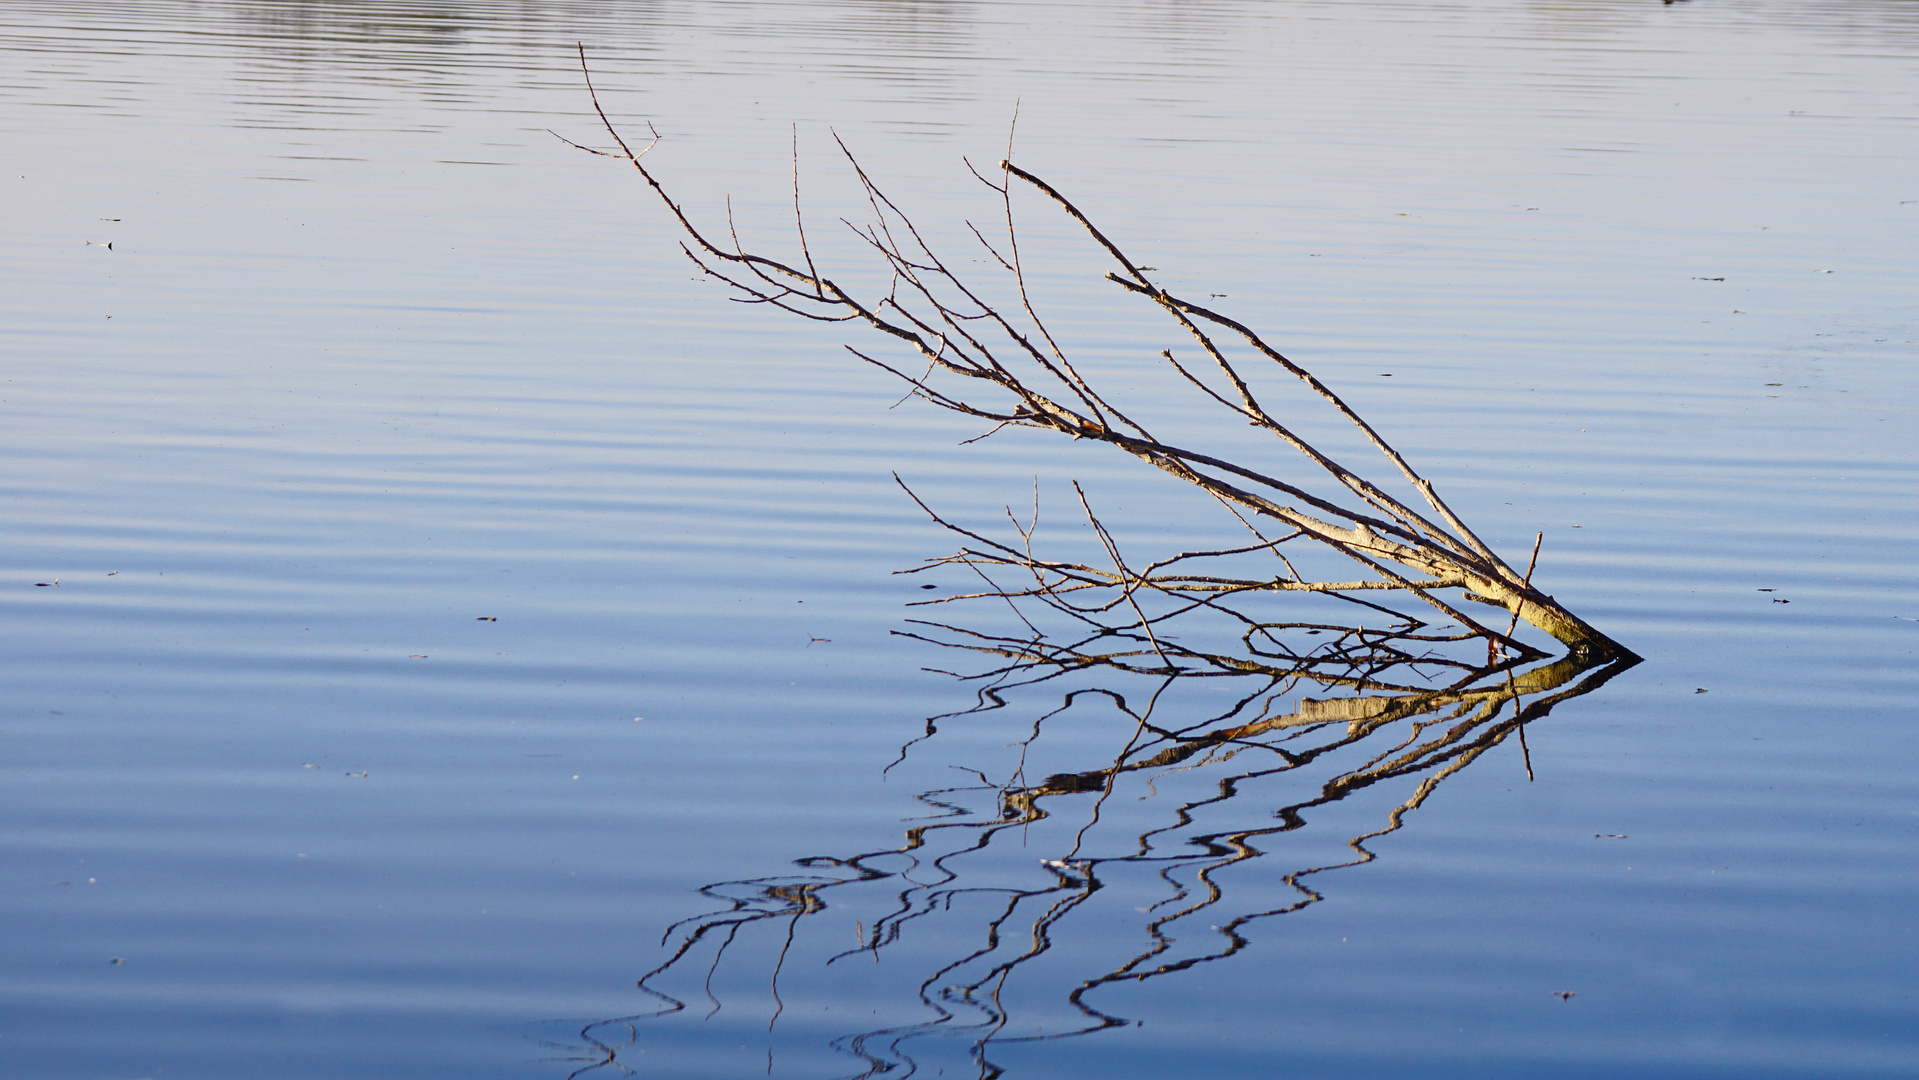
(1202, 767)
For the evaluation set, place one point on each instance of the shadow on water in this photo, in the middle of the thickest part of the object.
(1224, 752)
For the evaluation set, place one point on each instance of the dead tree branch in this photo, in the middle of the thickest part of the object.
(1013, 372)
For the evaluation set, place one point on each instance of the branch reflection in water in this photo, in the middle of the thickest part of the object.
(1213, 711)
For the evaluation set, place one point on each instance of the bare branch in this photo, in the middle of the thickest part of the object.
(1019, 373)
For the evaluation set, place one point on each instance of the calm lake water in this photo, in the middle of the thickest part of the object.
(426, 605)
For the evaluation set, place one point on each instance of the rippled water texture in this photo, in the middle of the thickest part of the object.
(427, 607)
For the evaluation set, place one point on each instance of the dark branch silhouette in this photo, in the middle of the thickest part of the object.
(1401, 706)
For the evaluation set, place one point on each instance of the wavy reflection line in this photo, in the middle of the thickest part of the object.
(936, 879)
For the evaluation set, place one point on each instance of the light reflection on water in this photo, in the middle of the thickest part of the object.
(373, 357)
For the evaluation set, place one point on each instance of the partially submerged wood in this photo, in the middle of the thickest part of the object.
(1000, 364)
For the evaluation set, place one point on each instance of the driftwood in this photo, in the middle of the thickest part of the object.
(1000, 364)
(1210, 685)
